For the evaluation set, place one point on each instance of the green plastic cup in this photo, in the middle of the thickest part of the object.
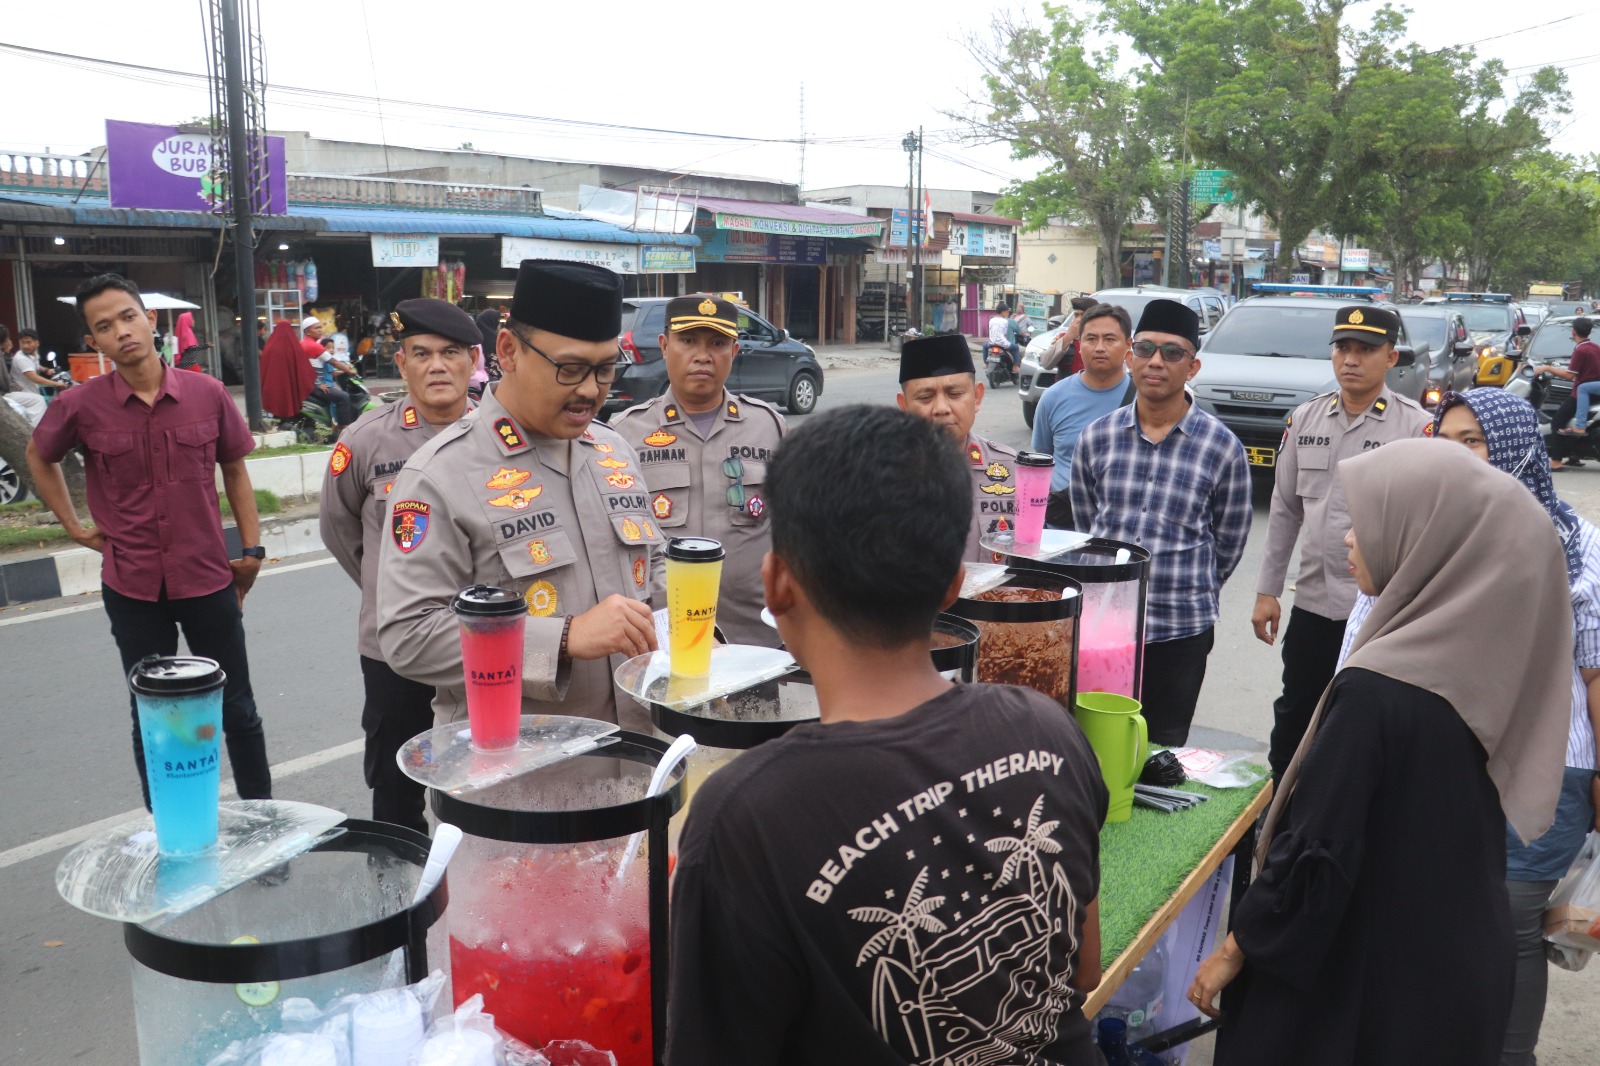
(1121, 741)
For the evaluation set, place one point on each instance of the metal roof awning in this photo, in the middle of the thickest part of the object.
(56, 209)
(988, 220)
(559, 226)
(153, 301)
(794, 219)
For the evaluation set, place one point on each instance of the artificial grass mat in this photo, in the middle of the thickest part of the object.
(1146, 858)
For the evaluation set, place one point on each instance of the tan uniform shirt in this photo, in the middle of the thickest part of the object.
(689, 494)
(1308, 497)
(355, 498)
(994, 494)
(565, 523)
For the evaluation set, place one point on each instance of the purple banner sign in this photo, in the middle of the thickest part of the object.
(165, 168)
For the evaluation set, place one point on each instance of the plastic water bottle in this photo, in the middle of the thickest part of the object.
(1138, 1002)
(1112, 1036)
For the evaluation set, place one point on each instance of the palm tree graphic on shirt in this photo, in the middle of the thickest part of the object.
(978, 993)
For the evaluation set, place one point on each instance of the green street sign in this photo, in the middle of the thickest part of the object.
(1209, 187)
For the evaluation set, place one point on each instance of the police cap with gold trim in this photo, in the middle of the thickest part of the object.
(438, 317)
(701, 311)
(1367, 323)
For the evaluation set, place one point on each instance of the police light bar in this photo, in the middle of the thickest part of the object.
(1317, 290)
(1494, 297)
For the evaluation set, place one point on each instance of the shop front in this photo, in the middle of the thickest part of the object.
(798, 266)
(986, 246)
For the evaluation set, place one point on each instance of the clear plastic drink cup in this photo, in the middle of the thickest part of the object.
(180, 725)
(694, 574)
(492, 623)
(1033, 470)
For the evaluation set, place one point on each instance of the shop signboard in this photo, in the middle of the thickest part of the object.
(165, 168)
(1355, 260)
(978, 238)
(405, 249)
(857, 227)
(666, 259)
(740, 246)
(1211, 249)
(898, 224)
(620, 258)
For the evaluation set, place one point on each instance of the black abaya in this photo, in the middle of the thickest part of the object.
(1378, 933)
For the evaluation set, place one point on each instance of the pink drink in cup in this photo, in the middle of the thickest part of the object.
(1034, 470)
(492, 621)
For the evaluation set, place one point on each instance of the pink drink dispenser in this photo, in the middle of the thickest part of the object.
(1115, 578)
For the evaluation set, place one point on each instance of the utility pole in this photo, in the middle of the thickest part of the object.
(924, 237)
(242, 193)
(910, 143)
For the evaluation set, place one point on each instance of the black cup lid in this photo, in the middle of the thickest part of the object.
(175, 675)
(1035, 459)
(694, 549)
(488, 600)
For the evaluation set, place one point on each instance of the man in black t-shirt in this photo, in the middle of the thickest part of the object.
(914, 878)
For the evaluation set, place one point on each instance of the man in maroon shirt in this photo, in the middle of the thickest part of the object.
(151, 440)
(1583, 368)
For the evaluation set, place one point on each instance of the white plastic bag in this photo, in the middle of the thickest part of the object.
(1219, 769)
(1572, 917)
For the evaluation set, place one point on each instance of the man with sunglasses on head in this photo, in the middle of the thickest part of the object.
(704, 452)
(1308, 499)
(529, 493)
(1172, 479)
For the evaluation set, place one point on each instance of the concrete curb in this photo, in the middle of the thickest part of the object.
(76, 571)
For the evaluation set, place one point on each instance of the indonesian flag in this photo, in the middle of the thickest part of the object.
(927, 216)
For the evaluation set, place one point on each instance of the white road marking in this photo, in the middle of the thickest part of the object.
(72, 837)
(94, 605)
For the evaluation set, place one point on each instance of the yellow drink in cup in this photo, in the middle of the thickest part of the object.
(694, 574)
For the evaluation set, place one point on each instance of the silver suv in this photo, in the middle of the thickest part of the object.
(1271, 354)
(1209, 304)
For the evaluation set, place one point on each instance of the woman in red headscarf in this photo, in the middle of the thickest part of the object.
(286, 374)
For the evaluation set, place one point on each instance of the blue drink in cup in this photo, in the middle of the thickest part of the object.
(180, 725)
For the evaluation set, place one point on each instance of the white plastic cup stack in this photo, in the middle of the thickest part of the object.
(385, 1028)
(300, 1049)
(457, 1047)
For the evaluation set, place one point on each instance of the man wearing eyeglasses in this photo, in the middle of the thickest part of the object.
(1165, 475)
(437, 340)
(1308, 504)
(939, 382)
(704, 452)
(529, 493)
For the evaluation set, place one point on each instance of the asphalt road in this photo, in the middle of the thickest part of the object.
(64, 976)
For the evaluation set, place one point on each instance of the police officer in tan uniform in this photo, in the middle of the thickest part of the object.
(939, 382)
(529, 493)
(1308, 504)
(704, 452)
(437, 340)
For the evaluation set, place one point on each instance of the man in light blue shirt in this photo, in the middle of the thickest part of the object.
(1075, 401)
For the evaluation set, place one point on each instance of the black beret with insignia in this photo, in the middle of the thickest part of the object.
(438, 317)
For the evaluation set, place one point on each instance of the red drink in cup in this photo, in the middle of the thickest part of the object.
(1034, 470)
(492, 620)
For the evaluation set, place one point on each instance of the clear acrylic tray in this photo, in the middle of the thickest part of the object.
(983, 577)
(734, 668)
(1052, 542)
(444, 758)
(119, 874)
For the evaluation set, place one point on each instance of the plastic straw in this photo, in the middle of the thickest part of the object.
(658, 781)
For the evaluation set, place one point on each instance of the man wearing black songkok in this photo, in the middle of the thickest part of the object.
(939, 382)
(529, 493)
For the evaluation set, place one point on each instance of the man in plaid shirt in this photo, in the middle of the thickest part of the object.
(1172, 479)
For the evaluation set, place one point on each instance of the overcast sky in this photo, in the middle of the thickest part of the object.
(870, 71)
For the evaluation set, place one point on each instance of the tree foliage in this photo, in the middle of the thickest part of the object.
(1056, 99)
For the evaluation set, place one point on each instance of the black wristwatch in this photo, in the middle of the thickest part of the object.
(258, 553)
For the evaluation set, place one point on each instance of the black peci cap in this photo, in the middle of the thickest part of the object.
(935, 357)
(1364, 322)
(1170, 316)
(438, 317)
(577, 300)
